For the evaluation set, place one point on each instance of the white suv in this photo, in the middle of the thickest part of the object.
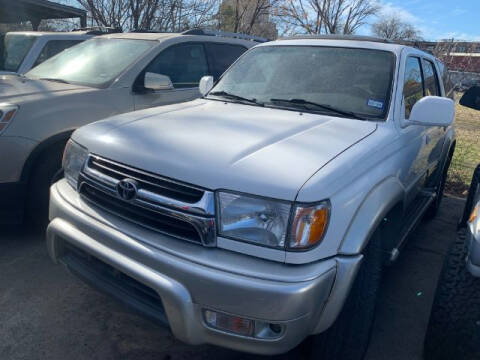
(264, 212)
(103, 76)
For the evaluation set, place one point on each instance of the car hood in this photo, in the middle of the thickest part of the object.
(13, 87)
(218, 145)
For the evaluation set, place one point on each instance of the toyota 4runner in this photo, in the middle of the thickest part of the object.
(264, 212)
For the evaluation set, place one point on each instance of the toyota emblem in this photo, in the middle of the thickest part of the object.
(127, 189)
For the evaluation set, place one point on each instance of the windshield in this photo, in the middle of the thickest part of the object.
(94, 62)
(15, 48)
(348, 82)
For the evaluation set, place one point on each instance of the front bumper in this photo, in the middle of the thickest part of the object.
(188, 278)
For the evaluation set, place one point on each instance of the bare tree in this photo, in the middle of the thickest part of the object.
(110, 13)
(326, 16)
(248, 16)
(393, 28)
(160, 15)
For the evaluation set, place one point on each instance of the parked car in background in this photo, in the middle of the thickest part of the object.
(22, 50)
(453, 330)
(100, 77)
(264, 212)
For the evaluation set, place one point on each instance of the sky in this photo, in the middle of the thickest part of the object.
(437, 19)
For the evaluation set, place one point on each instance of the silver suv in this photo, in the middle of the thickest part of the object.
(101, 77)
(264, 212)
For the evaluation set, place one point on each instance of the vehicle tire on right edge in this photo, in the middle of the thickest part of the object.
(348, 338)
(454, 328)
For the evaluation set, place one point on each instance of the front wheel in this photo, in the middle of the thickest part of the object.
(454, 327)
(349, 336)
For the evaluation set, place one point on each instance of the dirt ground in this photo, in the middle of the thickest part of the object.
(46, 313)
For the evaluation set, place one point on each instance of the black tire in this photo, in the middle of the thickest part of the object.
(453, 331)
(432, 211)
(43, 171)
(348, 338)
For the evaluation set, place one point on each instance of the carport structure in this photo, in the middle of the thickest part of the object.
(15, 11)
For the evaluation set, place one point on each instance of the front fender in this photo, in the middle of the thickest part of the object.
(379, 201)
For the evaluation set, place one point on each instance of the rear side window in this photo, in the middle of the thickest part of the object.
(445, 78)
(16, 48)
(53, 47)
(432, 88)
(221, 56)
(413, 84)
(184, 64)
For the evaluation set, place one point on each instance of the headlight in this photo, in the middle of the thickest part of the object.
(256, 220)
(73, 159)
(266, 222)
(7, 113)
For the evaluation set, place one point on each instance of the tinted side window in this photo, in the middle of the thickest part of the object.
(445, 78)
(53, 47)
(413, 84)
(431, 79)
(185, 64)
(221, 56)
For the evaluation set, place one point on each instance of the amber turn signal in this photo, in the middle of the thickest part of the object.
(474, 213)
(309, 226)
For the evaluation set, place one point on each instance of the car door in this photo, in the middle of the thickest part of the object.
(184, 64)
(414, 136)
(434, 134)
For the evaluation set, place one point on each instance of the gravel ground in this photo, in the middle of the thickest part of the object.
(46, 313)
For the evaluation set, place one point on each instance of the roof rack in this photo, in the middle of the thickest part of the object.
(224, 34)
(99, 30)
(340, 37)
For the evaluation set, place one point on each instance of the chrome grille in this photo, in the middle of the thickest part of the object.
(160, 204)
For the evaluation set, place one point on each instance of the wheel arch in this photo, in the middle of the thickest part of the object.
(41, 148)
(384, 198)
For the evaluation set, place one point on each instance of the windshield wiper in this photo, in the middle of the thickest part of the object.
(55, 80)
(308, 104)
(235, 97)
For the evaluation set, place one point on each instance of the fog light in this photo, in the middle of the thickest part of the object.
(230, 323)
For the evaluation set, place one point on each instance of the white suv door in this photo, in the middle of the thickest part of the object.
(416, 136)
(184, 64)
(435, 134)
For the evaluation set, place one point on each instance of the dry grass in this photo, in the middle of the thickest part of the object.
(467, 152)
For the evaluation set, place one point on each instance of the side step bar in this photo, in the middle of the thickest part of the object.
(415, 214)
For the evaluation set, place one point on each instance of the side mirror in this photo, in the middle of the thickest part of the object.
(471, 98)
(432, 111)
(206, 84)
(157, 82)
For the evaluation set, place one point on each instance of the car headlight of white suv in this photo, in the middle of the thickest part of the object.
(74, 158)
(271, 223)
